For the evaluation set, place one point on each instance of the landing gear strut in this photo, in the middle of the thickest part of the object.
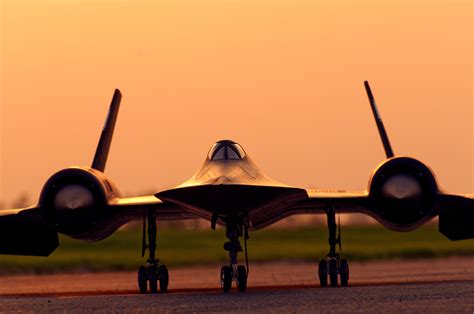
(151, 273)
(333, 266)
(232, 272)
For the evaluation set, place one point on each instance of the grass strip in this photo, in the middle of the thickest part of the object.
(177, 247)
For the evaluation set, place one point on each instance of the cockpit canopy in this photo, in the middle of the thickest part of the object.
(226, 150)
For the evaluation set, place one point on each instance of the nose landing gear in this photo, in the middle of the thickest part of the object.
(232, 272)
(333, 266)
(153, 272)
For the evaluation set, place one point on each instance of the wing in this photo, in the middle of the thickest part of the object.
(314, 202)
(456, 212)
(31, 231)
(456, 216)
(124, 210)
(26, 231)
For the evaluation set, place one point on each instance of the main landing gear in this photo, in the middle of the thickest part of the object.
(232, 272)
(333, 266)
(151, 273)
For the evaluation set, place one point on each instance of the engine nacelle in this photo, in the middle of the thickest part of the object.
(75, 199)
(402, 191)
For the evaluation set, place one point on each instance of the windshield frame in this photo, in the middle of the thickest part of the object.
(229, 148)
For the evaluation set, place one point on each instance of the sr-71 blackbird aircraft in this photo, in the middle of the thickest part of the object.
(229, 190)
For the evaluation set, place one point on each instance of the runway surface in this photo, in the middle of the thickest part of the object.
(443, 285)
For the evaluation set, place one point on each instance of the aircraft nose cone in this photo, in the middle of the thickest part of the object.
(72, 197)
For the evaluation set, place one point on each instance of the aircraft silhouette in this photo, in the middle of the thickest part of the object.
(230, 190)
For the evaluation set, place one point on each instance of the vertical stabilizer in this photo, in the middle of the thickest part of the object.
(379, 122)
(102, 151)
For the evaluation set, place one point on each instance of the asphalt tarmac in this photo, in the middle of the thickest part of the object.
(441, 286)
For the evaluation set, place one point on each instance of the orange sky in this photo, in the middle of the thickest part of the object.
(283, 78)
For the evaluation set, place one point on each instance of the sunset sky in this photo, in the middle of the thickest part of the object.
(283, 78)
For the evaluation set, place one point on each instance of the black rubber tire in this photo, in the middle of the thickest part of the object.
(323, 273)
(164, 278)
(344, 272)
(142, 279)
(241, 278)
(333, 272)
(153, 279)
(226, 278)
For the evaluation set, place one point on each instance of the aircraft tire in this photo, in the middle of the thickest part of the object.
(142, 279)
(153, 279)
(226, 278)
(164, 278)
(333, 272)
(323, 273)
(241, 278)
(344, 272)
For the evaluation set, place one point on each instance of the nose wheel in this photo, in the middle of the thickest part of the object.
(226, 278)
(239, 276)
(232, 272)
(332, 266)
(153, 274)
